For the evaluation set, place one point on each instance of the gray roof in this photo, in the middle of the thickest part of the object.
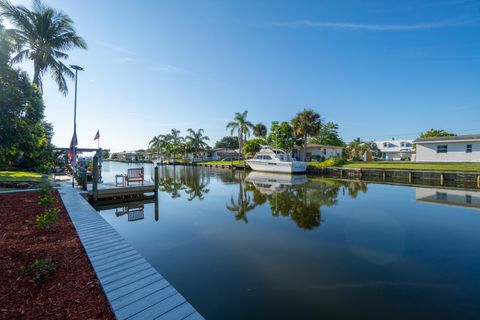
(468, 137)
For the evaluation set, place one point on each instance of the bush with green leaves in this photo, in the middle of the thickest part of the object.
(332, 162)
(40, 269)
(50, 216)
(47, 200)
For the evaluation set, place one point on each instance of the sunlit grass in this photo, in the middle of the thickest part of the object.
(19, 176)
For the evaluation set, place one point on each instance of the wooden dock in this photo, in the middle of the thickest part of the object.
(110, 191)
(134, 289)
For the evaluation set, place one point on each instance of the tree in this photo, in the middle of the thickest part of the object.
(306, 123)
(42, 35)
(328, 135)
(157, 144)
(433, 133)
(252, 146)
(24, 135)
(227, 142)
(281, 136)
(242, 126)
(173, 143)
(197, 140)
(260, 130)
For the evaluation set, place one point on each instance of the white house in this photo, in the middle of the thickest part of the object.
(394, 149)
(448, 149)
(461, 198)
(318, 152)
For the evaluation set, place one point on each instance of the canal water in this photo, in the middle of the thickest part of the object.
(263, 246)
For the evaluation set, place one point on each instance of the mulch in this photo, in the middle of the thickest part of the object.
(71, 291)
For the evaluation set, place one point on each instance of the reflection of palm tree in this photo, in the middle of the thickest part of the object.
(243, 204)
(354, 187)
(195, 185)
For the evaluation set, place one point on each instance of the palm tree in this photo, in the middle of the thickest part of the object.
(42, 35)
(242, 126)
(305, 124)
(260, 130)
(197, 140)
(174, 143)
(157, 144)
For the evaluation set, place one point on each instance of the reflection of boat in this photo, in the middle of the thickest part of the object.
(269, 183)
(275, 160)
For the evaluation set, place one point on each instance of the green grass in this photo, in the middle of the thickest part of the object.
(412, 165)
(19, 176)
(226, 162)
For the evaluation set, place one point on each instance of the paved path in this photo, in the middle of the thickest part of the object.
(133, 287)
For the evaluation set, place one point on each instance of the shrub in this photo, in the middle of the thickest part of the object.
(47, 199)
(41, 269)
(332, 162)
(50, 216)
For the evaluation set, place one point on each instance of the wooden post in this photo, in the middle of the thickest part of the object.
(360, 176)
(95, 178)
(84, 181)
(410, 177)
(478, 181)
(341, 173)
(156, 181)
(442, 178)
(384, 175)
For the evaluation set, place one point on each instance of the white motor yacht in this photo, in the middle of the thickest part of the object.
(276, 160)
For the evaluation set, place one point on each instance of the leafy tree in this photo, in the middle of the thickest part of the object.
(260, 130)
(105, 153)
(281, 136)
(42, 35)
(242, 126)
(24, 136)
(174, 143)
(252, 146)
(227, 142)
(306, 123)
(196, 140)
(158, 144)
(432, 133)
(328, 135)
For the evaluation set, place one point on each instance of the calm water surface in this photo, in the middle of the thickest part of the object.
(264, 246)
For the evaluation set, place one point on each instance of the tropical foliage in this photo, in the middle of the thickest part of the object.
(43, 35)
(432, 133)
(24, 135)
(281, 136)
(305, 124)
(252, 146)
(227, 142)
(242, 126)
(260, 130)
(328, 135)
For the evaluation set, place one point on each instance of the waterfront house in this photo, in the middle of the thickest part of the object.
(464, 148)
(318, 152)
(395, 150)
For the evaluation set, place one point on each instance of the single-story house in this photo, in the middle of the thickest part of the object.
(394, 149)
(215, 154)
(318, 152)
(464, 148)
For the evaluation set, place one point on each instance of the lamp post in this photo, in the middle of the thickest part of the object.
(76, 68)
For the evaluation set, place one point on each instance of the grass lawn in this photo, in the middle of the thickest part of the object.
(414, 165)
(226, 162)
(19, 176)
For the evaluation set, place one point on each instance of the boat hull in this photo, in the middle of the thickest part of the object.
(279, 167)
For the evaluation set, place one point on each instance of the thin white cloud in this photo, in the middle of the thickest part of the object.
(167, 68)
(368, 27)
(124, 60)
(113, 47)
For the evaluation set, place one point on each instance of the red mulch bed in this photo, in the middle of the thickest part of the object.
(71, 291)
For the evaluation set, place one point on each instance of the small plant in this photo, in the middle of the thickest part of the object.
(47, 199)
(40, 269)
(45, 190)
(50, 216)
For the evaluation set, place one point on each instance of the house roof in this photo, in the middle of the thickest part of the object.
(314, 145)
(468, 137)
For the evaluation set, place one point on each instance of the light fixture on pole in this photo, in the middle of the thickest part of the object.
(74, 142)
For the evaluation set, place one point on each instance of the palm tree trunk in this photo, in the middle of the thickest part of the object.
(304, 147)
(36, 77)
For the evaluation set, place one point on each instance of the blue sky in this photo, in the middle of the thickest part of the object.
(377, 68)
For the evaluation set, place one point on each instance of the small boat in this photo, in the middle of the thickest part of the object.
(269, 159)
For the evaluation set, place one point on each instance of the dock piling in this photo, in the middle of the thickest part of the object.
(95, 179)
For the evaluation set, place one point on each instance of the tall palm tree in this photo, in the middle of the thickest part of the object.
(42, 35)
(242, 126)
(260, 130)
(157, 144)
(197, 140)
(306, 123)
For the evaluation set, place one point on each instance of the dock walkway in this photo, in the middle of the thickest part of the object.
(134, 289)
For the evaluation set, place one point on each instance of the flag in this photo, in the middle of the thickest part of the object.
(97, 136)
(72, 151)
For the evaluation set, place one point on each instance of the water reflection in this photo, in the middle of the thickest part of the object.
(460, 198)
(177, 180)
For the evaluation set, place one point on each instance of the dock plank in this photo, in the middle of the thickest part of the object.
(134, 289)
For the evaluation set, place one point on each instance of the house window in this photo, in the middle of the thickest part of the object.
(324, 151)
(468, 199)
(443, 148)
(441, 195)
(469, 148)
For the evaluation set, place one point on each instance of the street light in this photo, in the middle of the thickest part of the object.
(76, 68)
